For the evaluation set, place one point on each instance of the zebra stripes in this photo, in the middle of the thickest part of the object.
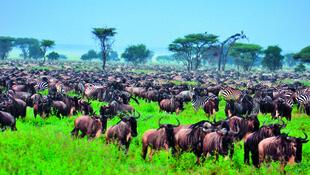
(230, 93)
(288, 101)
(302, 100)
(41, 85)
(199, 101)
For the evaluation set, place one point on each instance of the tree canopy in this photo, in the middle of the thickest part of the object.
(104, 35)
(6, 45)
(90, 55)
(245, 54)
(190, 48)
(25, 45)
(53, 56)
(273, 58)
(303, 55)
(44, 45)
(137, 54)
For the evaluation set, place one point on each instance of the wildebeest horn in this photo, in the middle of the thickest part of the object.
(235, 132)
(304, 140)
(207, 130)
(136, 117)
(178, 123)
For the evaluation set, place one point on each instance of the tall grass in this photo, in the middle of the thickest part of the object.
(45, 146)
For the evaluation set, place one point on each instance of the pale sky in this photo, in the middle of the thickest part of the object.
(157, 23)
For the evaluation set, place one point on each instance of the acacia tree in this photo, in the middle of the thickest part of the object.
(273, 58)
(289, 60)
(303, 55)
(136, 54)
(53, 56)
(46, 44)
(25, 44)
(6, 45)
(191, 48)
(91, 54)
(104, 35)
(245, 55)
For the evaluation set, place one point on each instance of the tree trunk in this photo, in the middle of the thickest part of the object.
(224, 61)
(104, 59)
(220, 61)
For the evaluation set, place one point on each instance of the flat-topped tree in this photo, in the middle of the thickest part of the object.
(104, 35)
(6, 45)
(46, 44)
(190, 49)
(273, 58)
(303, 55)
(137, 54)
(245, 55)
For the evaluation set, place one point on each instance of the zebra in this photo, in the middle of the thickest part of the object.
(41, 85)
(199, 101)
(230, 93)
(302, 100)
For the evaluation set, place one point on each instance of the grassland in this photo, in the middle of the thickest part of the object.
(44, 146)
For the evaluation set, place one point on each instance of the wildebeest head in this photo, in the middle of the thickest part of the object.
(297, 143)
(131, 119)
(107, 111)
(271, 130)
(96, 125)
(252, 123)
(169, 131)
(228, 138)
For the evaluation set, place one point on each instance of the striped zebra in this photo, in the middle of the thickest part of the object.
(302, 100)
(199, 101)
(41, 86)
(287, 100)
(230, 93)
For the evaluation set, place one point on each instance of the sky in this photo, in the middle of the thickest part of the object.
(157, 23)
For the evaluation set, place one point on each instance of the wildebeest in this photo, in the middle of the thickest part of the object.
(244, 125)
(114, 108)
(281, 148)
(92, 126)
(6, 119)
(42, 107)
(124, 130)
(219, 142)
(161, 138)
(209, 107)
(244, 105)
(252, 141)
(171, 105)
(85, 107)
(14, 106)
(284, 108)
(190, 138)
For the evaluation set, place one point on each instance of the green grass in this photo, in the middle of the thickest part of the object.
(143, 71)
(290, 81)
(178, 82)
(44, 146)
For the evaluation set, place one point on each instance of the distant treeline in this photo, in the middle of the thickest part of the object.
(30, 48)
(192, 50)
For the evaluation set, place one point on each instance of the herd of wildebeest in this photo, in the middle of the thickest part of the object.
(245, 95)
